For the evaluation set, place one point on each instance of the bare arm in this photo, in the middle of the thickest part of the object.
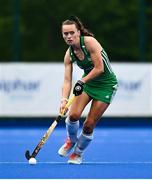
(94, 49)
(67, 83)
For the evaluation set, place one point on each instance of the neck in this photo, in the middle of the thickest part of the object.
(76, 46)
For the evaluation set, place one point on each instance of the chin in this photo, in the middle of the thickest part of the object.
(69, 43)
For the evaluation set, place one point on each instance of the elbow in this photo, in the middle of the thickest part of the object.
(100, 71)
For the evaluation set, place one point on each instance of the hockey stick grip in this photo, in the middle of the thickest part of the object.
(67, 105)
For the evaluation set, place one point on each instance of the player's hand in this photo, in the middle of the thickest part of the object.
(78, 88)
(63, 106)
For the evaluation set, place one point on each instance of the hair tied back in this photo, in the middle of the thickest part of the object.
(73, 18)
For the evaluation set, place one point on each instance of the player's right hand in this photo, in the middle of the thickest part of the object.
(63, 108)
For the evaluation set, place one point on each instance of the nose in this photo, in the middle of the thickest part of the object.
(69, 35)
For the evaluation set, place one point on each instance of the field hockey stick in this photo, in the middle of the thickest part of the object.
(48, 132)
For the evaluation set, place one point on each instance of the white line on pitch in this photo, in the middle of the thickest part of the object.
(87, 162)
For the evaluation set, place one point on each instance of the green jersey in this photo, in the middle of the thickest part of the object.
(103, 81)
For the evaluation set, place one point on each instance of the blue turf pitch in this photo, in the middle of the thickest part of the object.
(114, 153)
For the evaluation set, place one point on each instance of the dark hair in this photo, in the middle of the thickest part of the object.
(75, 20)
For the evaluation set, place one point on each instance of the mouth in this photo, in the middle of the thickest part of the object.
(69, 41)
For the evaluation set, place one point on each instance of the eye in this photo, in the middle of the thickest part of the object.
(65, 33)
(72, 32)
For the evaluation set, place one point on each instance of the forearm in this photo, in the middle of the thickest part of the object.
(92, 74)
(66, 89)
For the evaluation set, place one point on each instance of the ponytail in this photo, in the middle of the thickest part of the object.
(75, 20)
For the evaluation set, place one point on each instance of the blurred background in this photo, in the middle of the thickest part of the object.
(30, 31)
(32, 51)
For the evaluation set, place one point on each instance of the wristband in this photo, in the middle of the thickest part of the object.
(64, 99)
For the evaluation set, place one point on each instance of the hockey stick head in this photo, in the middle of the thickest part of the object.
(27, 155)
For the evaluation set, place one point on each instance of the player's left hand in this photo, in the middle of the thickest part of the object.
(78, 88)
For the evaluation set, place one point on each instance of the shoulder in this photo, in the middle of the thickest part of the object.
(91, 43)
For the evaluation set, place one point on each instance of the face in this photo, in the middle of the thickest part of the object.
(70, 34)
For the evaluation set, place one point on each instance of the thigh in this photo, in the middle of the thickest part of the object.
(79, 104)
(96, 111)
